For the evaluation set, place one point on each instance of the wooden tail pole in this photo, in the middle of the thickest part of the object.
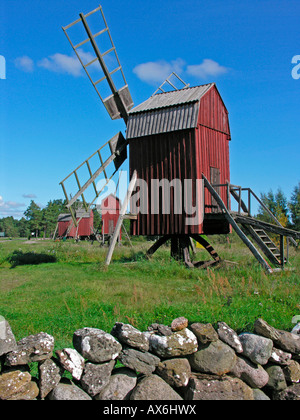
(120, 221)
(56, 229)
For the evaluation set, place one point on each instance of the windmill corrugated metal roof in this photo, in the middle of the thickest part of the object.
(80, 214)
(64, 217)
(174, 98)
(165, 112)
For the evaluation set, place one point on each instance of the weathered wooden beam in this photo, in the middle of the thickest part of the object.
(160, 242)
(242, 204)
(282, 250)
(184, 245)
(121, 217)
(118, 98)
(206, 245)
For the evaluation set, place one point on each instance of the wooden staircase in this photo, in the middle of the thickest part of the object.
(265, 243)
(247, 226)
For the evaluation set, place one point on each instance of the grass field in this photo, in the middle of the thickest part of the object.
(65, 286)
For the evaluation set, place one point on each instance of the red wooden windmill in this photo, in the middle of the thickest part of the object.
(179, 142)
(110, 210)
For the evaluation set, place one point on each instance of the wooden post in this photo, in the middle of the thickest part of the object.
(120, 220)
(180, 246)
(249, 202)
(184, 244)
(193, 247)
(282, 250)
(175, 247)
(240, 200)
(228, 196)
(55, 232)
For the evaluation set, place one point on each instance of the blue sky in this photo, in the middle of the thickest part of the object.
(51, 118)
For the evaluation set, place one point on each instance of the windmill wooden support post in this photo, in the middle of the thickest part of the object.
(282, 258)
(121, 218)
(180, 247)
(56, 229)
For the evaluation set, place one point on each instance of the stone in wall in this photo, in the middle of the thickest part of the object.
(33, 348)
(96, 345)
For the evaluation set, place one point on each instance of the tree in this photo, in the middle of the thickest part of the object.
(294, 206)
(277, 204)
(50, 215)
(34, 215)
(8, 226)
(23, 228)
(97, 220)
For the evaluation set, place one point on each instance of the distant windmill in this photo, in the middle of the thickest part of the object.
(174, 135)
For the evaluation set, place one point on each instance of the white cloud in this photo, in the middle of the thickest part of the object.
(58, 63)
(10, 204)
(25, 64)
(69, 64)
(61, 63)
(155, 72)
(11, 208)
(206, 69)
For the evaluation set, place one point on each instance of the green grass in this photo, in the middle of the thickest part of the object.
(74, 289)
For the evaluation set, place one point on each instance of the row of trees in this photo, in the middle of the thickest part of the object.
(286, 211)
(42, 222)
(36, 220)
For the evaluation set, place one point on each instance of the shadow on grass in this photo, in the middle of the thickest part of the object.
(139, 256)
(29, 258)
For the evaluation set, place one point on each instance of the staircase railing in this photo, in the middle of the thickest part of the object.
(227, 214)
(236, 192)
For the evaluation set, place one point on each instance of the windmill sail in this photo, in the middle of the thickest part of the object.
(118, 147)
(119, 102)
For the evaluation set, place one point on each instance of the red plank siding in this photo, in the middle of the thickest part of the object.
(110, 209)
(183, 154)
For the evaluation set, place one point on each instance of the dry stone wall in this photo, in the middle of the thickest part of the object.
(172, 363)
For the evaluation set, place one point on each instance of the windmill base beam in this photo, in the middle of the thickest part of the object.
(180, 250)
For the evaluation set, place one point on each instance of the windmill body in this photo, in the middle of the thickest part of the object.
(178, 136)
